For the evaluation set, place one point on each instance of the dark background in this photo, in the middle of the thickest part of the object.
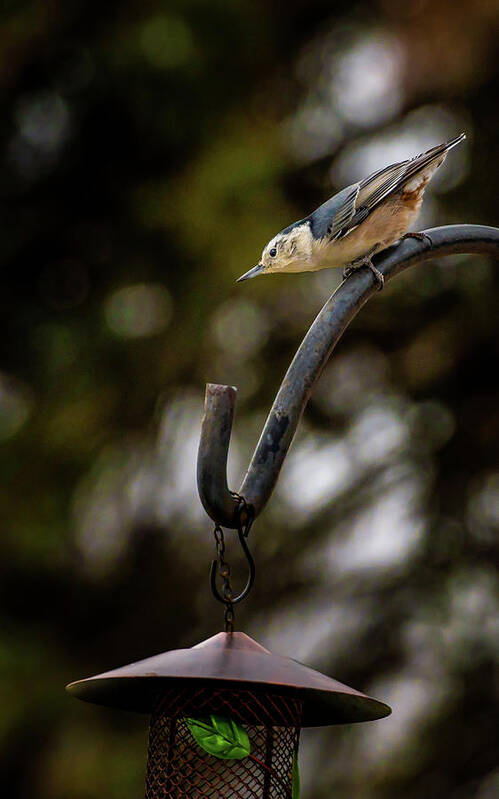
(148, 150)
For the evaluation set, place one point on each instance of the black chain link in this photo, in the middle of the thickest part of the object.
(224, 572)
(220, 565)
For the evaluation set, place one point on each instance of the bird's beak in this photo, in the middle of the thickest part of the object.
(251, 273)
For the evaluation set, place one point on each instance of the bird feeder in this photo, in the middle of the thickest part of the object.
(226, 716)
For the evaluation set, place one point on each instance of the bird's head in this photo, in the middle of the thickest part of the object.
(284, 253)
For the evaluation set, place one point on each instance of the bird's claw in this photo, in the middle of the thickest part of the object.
(348, 270)
(419, 237)
(379, 277)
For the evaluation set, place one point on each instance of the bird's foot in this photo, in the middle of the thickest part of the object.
(419, 237)
(365, 261)
(379, 277)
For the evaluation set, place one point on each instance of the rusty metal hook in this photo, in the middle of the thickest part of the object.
(307, 365)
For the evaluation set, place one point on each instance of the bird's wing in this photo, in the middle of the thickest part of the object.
(378, 186)
(335, 214)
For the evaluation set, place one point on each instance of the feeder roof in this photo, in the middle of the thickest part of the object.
(230, 660)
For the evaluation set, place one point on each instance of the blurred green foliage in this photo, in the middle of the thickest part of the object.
(148, 152)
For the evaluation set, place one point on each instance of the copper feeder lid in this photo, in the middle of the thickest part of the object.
(229, 660)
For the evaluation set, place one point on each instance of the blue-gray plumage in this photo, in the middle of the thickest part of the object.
(333, 215)
(360, 220)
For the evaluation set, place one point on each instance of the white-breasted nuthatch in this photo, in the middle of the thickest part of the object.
(359, 221)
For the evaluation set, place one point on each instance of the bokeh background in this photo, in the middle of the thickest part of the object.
(148, 150)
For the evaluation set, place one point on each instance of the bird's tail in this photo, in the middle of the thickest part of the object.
(419, 162)
(452, 142)
(444, 147)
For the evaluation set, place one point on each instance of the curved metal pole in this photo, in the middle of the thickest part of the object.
(307, 365)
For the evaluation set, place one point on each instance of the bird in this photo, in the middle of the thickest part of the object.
(357, 222)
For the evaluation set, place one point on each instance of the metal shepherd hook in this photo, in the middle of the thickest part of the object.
(224, 506)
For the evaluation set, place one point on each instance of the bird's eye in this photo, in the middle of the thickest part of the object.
(273, 252)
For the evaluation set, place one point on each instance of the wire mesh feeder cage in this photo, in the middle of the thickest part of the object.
(179, 767)
(226, 716)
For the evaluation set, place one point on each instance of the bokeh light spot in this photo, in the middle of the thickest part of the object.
(240, 327)
(15, 406)
(483, 507)
(368, 80)
(138, 311)
(43, 120)
(166, 41)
